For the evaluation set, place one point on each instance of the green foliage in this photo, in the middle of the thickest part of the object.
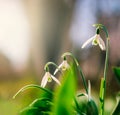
(87, 105)
(65, 94)
(63, 101)
(39, 106)
(116, 110)
(92, 108)
(30, 111)
(116, 71)
(43, 104)
(32, 86)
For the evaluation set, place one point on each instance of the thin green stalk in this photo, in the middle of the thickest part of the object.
(79, 68)
(103, 81)
(83, 79)
(102, 94)
(106, 59)
(105, 74)
(46, 68)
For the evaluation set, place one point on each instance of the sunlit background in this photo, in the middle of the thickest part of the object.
(33, 32)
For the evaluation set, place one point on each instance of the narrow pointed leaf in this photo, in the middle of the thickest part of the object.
(30, 111)
(44, 104)
(32, 86)
(92, 108)
(116, 110)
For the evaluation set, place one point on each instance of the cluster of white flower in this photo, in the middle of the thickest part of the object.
(48, 77)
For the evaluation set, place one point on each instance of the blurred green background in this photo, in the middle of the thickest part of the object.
(33, 32)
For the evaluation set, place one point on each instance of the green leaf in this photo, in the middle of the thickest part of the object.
(91, 105)
(33, 111)
(116, 71)
(30, 111)
(92, 108)
(86, 104)
(64, 95)
(82, 104)
(116, 110)
(43, 104)
(79, 110)
(32, 86)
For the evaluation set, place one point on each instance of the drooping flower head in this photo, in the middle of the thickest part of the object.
(48, 77)
(96, 40)
(63, 66)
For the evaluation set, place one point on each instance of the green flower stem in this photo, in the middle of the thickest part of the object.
(79, 68)
(105, 75)
(46, 68)
(83, 79)
(106, 59)
(103, 81)
(102, 94)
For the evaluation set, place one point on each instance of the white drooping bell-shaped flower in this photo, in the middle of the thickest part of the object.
(96, 40)
(63, 66)
(48, 78)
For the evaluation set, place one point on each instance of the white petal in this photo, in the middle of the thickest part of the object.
(56, 80)
(44, 80)
(62, 64)
(101, 44)
(66, 65)
(88, 41)
(59, 67)
(55, 71)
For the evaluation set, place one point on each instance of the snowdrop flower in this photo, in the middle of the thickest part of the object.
(63, 66)
(96, 40)
(48, 78)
